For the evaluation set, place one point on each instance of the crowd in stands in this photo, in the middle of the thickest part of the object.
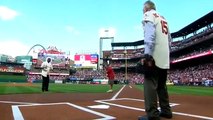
(119, 54)
(118, 64)
(35, 77)
(89, 74)
(58, 69)
(6, 67)
(195, 52)
(133, 78)
(129, 55)
(175, 45)
(192, 40)
(63, 65)
(183, 76)
(192, 74)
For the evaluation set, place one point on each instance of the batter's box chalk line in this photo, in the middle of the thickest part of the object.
(17, 114)
(107, 102)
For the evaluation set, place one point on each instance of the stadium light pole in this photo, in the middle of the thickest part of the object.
(125, 53)
(105, 34)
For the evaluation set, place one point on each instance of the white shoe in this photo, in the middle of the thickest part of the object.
(109, 91)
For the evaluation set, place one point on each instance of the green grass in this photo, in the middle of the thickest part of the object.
(187, 90)
(88, 88)
(56, 88)
(18, 90)
(13, 78)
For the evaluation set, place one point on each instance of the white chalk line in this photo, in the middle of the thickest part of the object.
(116, 95)
(105, 117)
(122, 106)
(130, 99)
(143, 110)
(194, 116)
(16, 109)
(133, 99)
(12, 102)
(18, 115)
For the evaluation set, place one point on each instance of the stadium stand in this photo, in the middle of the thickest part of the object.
(193, 75)
(53, 78)
(61, 65)
(191, 55)
(12, 72)
(86, 74)
(82, 75)
(191, 58)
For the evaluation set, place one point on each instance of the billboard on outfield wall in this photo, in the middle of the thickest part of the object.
(86, 61)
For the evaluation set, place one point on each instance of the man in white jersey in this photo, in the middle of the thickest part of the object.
(156, 63)
(46, 67)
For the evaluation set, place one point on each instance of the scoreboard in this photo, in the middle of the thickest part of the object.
(86, 60)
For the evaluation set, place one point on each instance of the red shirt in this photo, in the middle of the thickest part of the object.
(110, 73)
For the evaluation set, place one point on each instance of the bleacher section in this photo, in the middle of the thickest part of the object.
(191, 55)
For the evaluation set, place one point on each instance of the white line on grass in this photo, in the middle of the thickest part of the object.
(116, 95)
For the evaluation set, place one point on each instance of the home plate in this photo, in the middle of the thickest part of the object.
(99, 106)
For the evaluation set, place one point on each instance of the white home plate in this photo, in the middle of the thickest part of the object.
(99, 106)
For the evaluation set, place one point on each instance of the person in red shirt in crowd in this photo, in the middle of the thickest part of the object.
(111, 76)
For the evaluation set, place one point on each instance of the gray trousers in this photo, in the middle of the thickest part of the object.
(155, 86)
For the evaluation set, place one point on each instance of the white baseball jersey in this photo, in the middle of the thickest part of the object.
(161, 47)
(46, 68)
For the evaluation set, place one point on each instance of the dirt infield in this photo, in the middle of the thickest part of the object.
(126, 104)
(20, 84)
(51, 112)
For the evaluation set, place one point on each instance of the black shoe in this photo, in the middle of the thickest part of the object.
(142, 118)
(165, 115)
(148, 118)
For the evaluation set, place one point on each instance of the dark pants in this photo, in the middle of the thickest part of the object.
(155, 86)
(45, 83)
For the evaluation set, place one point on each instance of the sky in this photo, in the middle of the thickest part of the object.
(74, 25)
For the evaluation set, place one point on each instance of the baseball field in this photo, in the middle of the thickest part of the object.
(25, 101)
